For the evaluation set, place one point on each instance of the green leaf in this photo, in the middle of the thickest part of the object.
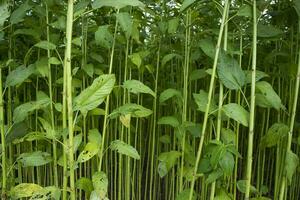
(50, 132)
(169, 120)
(90, 150)
(214, 175)
(136, 59)
(37, 158)
(226, 162)
(166, 139)
(267, 31)
(42, 66)
(245, 11)
(19, 75)
(134, 110)
(186, 4)
(136, 87)
(208, 47)
(125, 149)
(89, 69)
(125, 22)
(24, 190)
(100, 183)
(258, 76)
(275, 134)
(22, 111)
(167, 161)
(169, 57)
(185, 194)
(4, 13)
(95, 94)
(198, 74)
(173, 25)
(20, 13)
(45, 45)
(241, 186)
(85, 184)
(222, 195)
(297, 7)
(291, 164)
(168, 94)
(50, 192)
(230, 73)
(201, 100)
(228, 136)
(118, 4)
(94, 136)
(18, 130)
(103, 37)
(260, 198)
(54, 61)
(237, 113)
(266, 96)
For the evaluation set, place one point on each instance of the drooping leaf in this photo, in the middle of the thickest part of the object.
(169, 57)
(134, 110)
(100, 183)
(237, 113)
(37, 158)
(266, 96)
(258, 75)
(103, 37)
(214, 175)
(167, 161)
(230, 73)
(125, 22)
(22, 111)
(24, 190)
(95, 94)
(186, 4)
(19, 75)
(136, 87)
(168, 120)
(226, 162)
(297, 7)
(169, 93)
(125, 149)
(20, 13)
(241, 186)
(275, 134)
(291, 164)
(197, 74)
(85, 184)
(45, 45)
(136, 59)
(94, 136)
(18, 130)
(89, 69)
(4, 13)
(208, 47)
(50, 192)
(228, 136)
(173, 25)
(245, 11)
(90, 150)
(222, 195)
(185, 194)
(118, 4)
(267, 31)
(201, 100)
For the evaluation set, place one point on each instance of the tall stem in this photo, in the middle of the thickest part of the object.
(252, 106)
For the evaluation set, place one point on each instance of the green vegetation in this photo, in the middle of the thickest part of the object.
(150, 99)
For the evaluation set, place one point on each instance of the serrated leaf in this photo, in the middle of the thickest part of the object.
(136, 87)
(266, 96)
(291, 164)
(214, 175)
(168, 120)
(103, 37)
(134, 110)
(168, 94)
(100, 183)
(275, 134)
(90, 150)
(118, 4)
(125, 149)
(37, 158)
(167, 161)
(95, 94)
(125, 22)
(237, 113)
(230, 73)
(201, 100)
(19, 75)
(24, 190)
(45, 45)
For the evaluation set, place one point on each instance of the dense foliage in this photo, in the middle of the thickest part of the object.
(150, 99)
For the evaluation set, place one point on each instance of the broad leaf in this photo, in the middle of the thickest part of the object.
(24, 190)
(258, 75)
(118, 4)
(37, 158)
(90, 150)
(168, 94)
(186, 4)
(4, 13)
(167, 161)
(169, 57)
(19, 75)
(208, 47)
(291, 164)
(20, 13)
(95, 94)
(168, 120)
(274, 135)
(230, 73)
(241, 186)
(237, 113)
(125, 149)
(136, 87)
(100, 183)
(134, 110)
(267, 31)
(201, 100)
(85, 184)
(266, 96)
(125, 22)
(45, 45)
(103, 37)
(185, 194)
